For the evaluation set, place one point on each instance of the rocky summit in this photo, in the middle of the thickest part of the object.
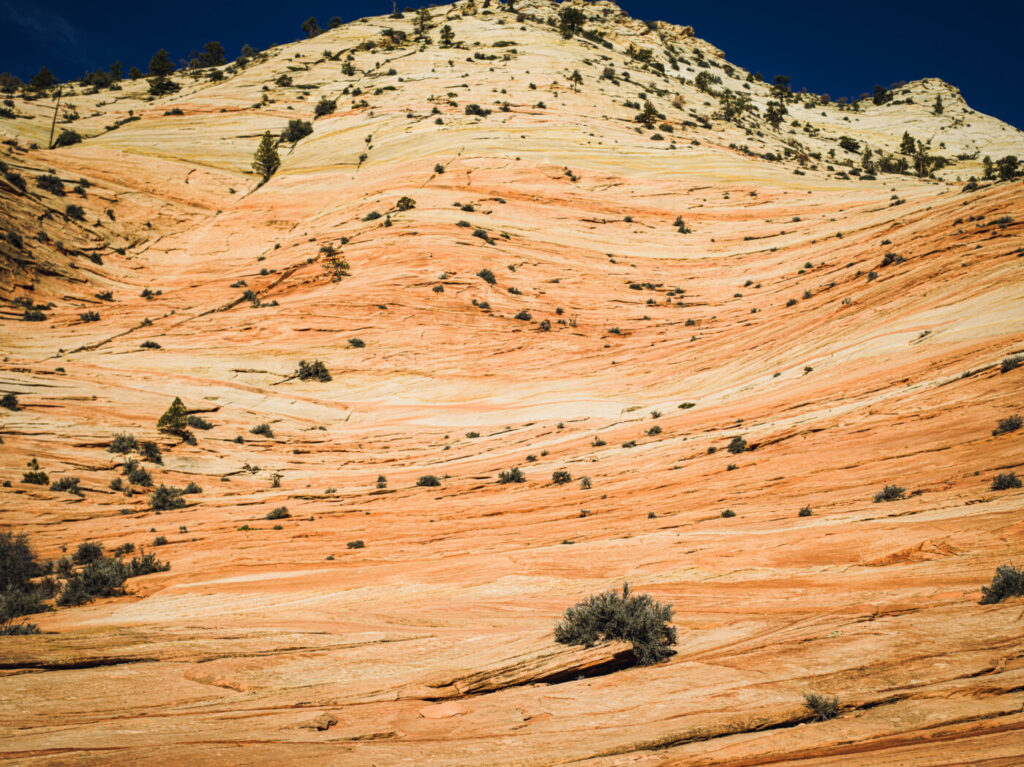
(335, 376)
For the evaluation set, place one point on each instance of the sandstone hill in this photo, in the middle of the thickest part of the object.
(565, 290)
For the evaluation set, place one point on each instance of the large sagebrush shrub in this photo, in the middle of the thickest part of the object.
(634, 618)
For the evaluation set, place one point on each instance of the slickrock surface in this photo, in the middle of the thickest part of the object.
(433, 645)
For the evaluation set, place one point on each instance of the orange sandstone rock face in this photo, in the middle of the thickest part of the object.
(779, 315)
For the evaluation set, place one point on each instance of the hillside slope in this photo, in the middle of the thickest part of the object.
(657, 292)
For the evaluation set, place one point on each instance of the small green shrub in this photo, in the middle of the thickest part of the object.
(806, 511)
(160, 540)
(512, 475)
(1007, 582)
(428, 480)
(1006, 425)
(165, 498)
(1011, 363)
(150, 451)
(67, 485)
(146, 564)
(315, 370)
(487, 276)
(262, 429)
(87, 552)
(123, 443)
(356, 545)
(139, 476)
(281, 512)
(356, 343)
(823, 706)
(890, 493)
(35, 478)
(325, 107)
(634, 618)
(191, 489)
(1006, 481)
(51, 184)
(728, 513)
(296, 130)
(561, 477)
(738, 445)
(198, 422)
(9, 401)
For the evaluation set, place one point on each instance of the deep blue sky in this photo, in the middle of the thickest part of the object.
(842, 49)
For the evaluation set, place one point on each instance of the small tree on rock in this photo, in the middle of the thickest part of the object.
(267, 161)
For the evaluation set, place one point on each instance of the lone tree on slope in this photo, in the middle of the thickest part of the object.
(267, 161)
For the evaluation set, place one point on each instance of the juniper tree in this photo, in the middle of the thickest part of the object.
(421, 24)
(937, 107)
(570, 21)
(907, 145)
(447, 36)
(42, 80)
(161, 65)
(1008, 167)
(267, 161)
(576, 79)
(212, 55)
(310, 27)
(175, 418)
(647, 115)
(775, 112)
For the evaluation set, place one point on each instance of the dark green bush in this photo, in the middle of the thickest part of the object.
(145, 564)
(1006, 425)
(123, 443)
(9, 401)
(512, 475)
(35, 478)
(325, 107)
(890, 493)
(806, 511)
(87, 551)
(150, 451)
(313, 370)
(198, 422)
(139, 476)
(561, 477)
(637, 619)
(738, 445)
(728, 513)
(1006, 481)
(66, 485)
(428, 480)
(1007, 582)
(165, 498)
(281, 512)
(262, 429)
(296, 130)
(1011, 363)
(487, 276)
(51, 184)
(356, 545)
